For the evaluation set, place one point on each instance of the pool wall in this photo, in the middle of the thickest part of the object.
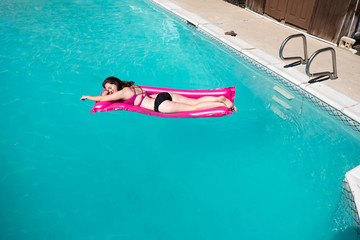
(335, 103)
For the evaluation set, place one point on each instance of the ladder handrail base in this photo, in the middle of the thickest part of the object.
(293, 64)
(319, 79)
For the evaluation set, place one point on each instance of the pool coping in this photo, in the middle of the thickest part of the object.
(335, 99)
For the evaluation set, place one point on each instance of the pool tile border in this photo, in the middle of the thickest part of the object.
(336, 104)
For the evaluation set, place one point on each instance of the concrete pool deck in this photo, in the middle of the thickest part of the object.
(260, 38)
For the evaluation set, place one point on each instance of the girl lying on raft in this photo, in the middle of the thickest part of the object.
(165, 102)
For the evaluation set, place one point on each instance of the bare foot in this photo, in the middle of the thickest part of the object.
(228, 103)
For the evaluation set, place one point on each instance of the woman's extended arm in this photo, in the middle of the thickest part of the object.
(104, 98)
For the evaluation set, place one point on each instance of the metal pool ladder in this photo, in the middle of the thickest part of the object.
(321, 76)
(300, 59)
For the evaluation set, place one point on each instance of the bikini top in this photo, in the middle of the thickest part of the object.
(143, 94)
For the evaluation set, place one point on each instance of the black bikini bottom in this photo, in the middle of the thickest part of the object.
(160, 98)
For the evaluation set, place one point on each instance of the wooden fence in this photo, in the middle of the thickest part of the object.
(328, 19)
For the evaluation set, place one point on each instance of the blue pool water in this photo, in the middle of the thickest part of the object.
(266, 172)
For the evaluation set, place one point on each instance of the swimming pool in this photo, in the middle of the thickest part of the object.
(271, 171)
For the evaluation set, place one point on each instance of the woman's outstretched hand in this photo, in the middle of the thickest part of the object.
(105, 96)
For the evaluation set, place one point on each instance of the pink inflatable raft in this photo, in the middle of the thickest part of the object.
(214, 112)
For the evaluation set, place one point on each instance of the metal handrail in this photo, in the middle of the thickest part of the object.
(331, 75)
(300, 59)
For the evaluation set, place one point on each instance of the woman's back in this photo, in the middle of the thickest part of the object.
(136, 96)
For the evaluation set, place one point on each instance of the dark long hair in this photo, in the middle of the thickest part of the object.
(120, 84)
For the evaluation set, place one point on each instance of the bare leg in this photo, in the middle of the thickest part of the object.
(172, 107)
(194, 101)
